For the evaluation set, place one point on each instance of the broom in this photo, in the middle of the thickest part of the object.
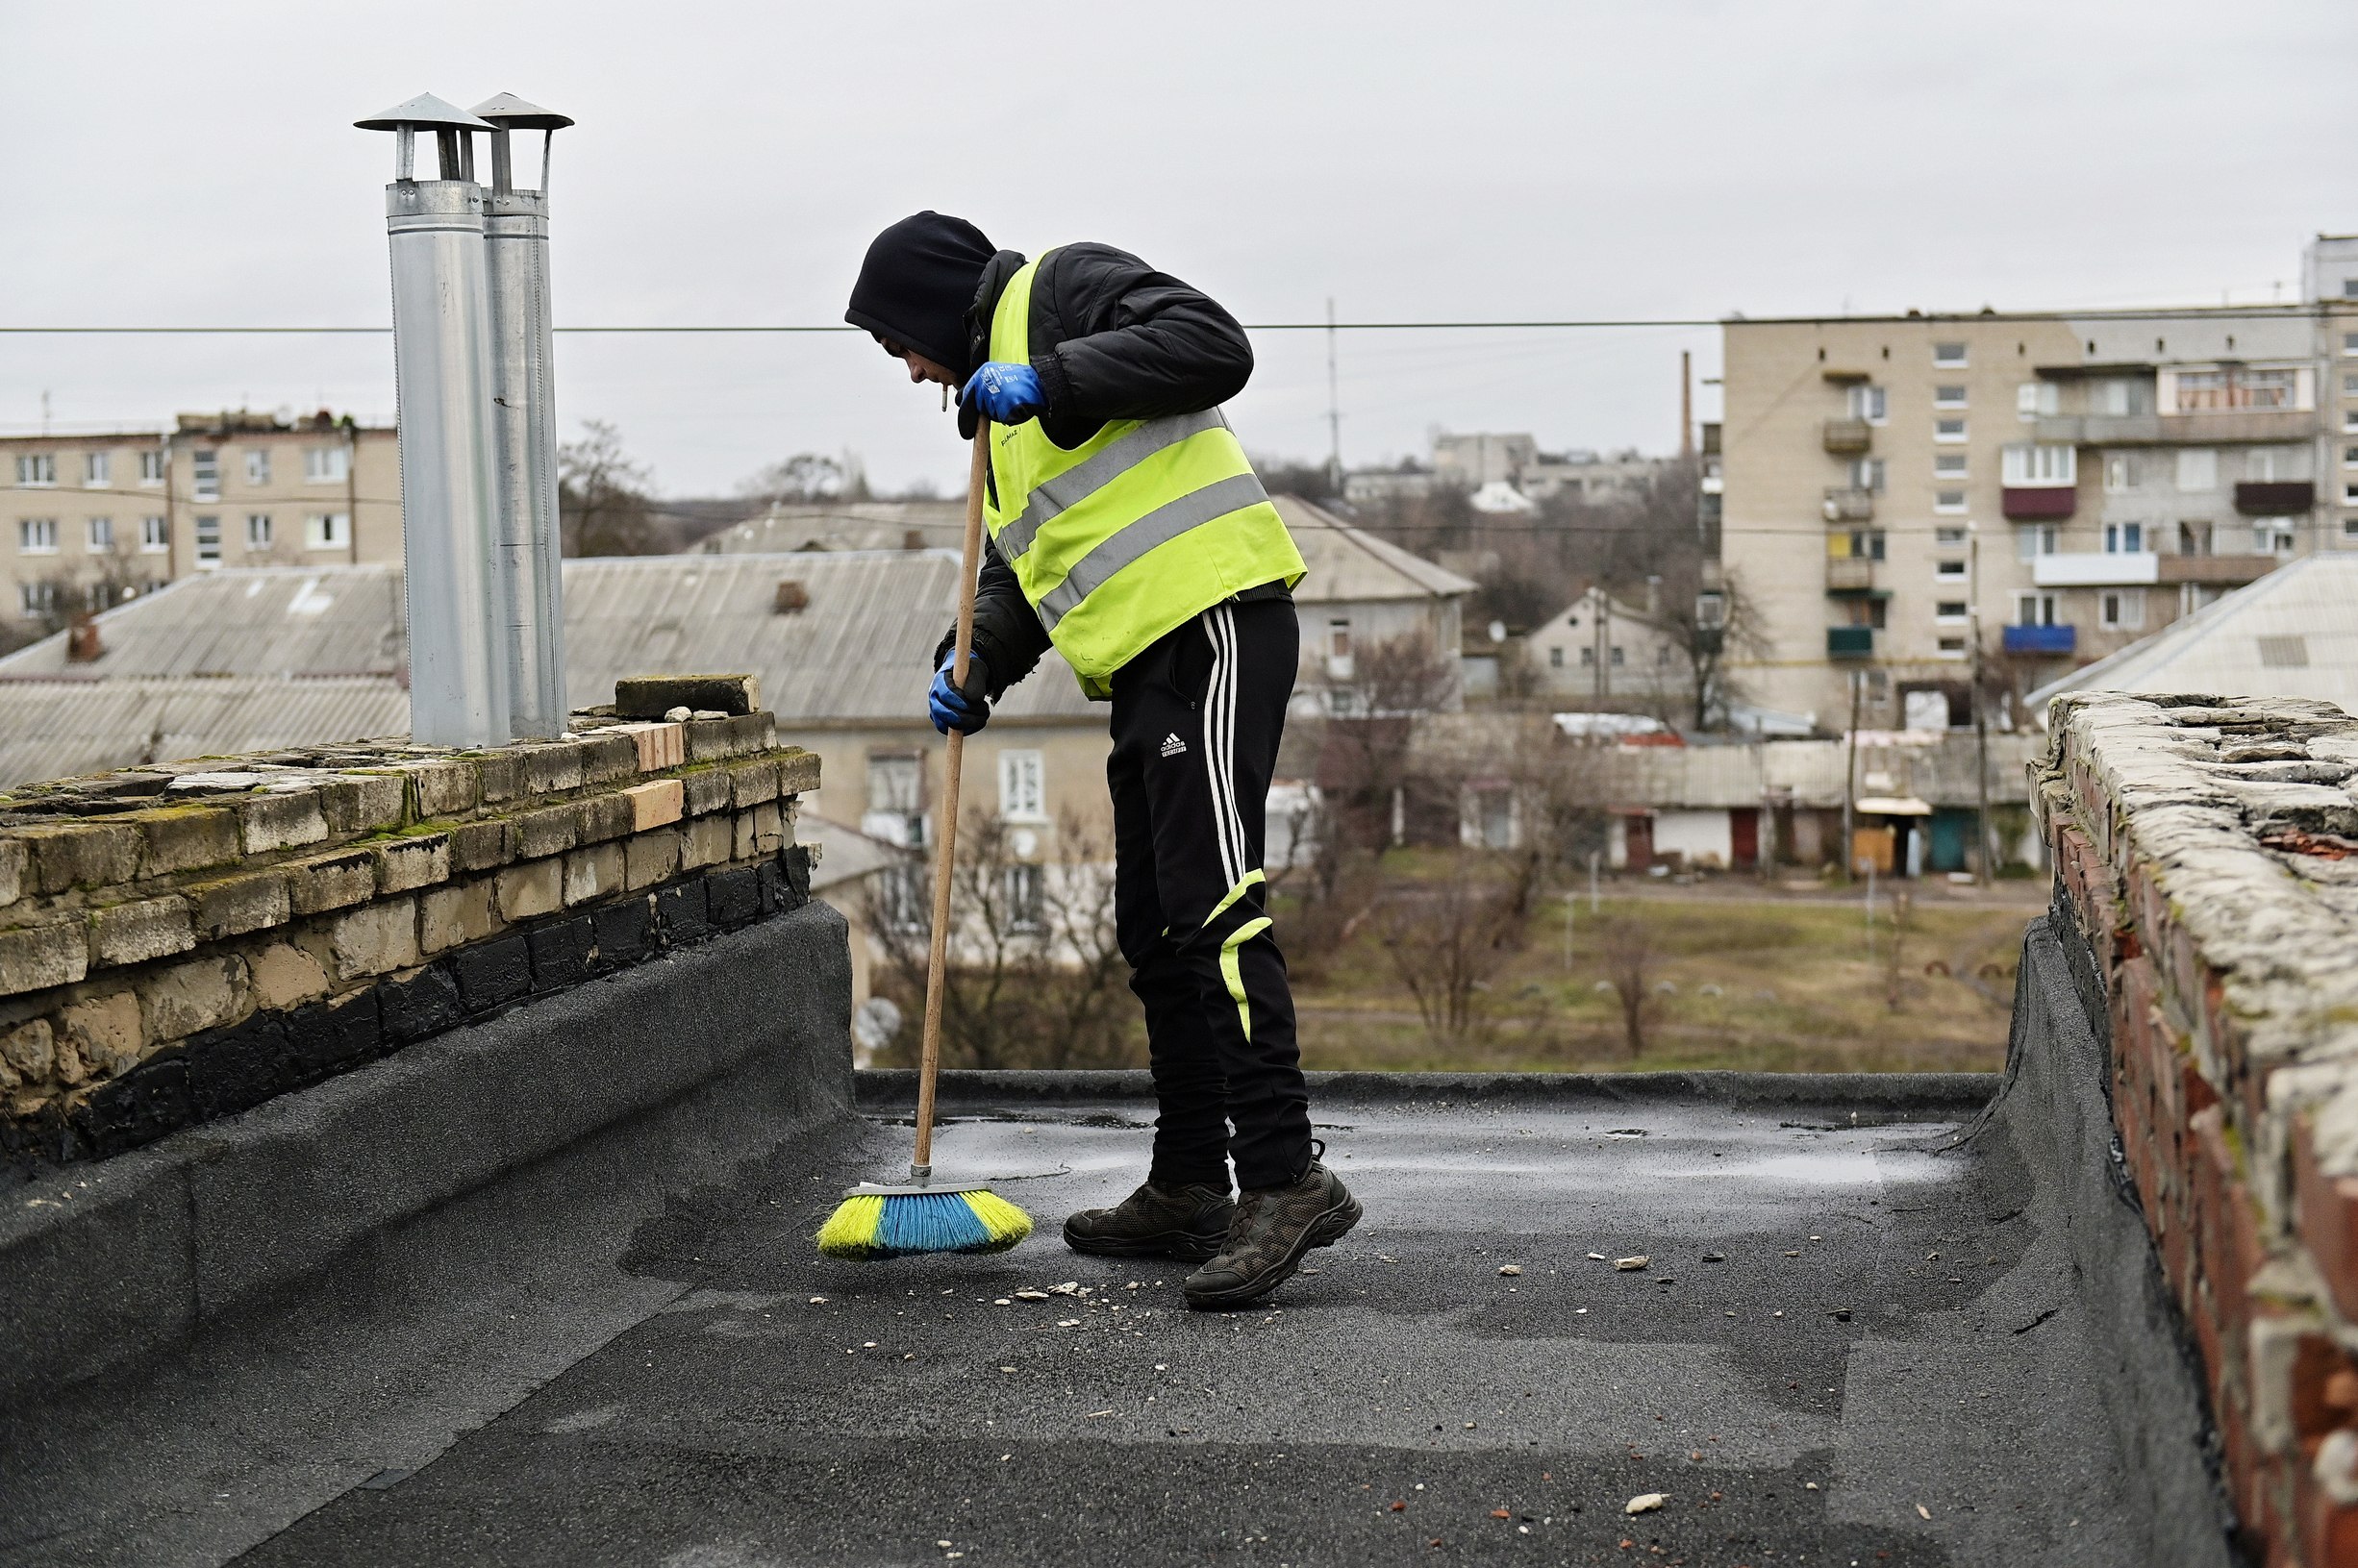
(875, 1222)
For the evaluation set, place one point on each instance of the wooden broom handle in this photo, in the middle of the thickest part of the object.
(937, 956)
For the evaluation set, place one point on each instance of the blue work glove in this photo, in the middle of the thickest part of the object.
(951, 709)
(1009, 393)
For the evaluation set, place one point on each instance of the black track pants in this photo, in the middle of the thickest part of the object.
(1197, 720)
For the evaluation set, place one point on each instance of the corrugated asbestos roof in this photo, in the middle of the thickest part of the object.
(332, 620)
(58, 729)
(2292, 634)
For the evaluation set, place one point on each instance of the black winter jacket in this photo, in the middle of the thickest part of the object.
(1111, 338)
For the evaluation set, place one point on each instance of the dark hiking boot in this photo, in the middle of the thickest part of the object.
(1274, 1228)
(1156, 1221)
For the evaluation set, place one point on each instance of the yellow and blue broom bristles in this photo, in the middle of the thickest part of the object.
(869, 1226)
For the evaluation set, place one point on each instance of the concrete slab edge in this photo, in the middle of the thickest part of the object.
(119, 1260)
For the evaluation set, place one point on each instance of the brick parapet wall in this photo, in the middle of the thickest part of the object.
(180, 940)
(2207, 854)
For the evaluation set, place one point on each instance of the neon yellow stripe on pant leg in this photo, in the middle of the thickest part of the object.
(1250, 878)
(1233, 973)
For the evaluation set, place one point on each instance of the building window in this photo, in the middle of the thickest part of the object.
(2034, 398)
(2193, 537)
(2349, 420)
(1949, 501)
(155, 535)
(1950, 355)
(2349, 343)
(2262, 464)
(1951, 537)
(1952, 647)
(258, 465)
(1023, 790)
(208, 542)
(1948, 571)
(2198, 469)
(325, 465)
(151, 467)
(2349, 457)
(35, 468)
(1950, 431)
(1021, 888)
(2124, 539)
(2122, 609)
(204, 476)
(2274, 536)
(99, 535)
(1948, 464)
(2211, 392)
(1866, 474)
(1555, 657)
(1868, 403)
(327, 531)
(1865, 544)
(1588, 659)
(2350, 386)
(37, 535)
(1951, 611)
(1948, 397)
(2034, 610)
(258, 531)
(2037, 539)
(97, 469)
(2120, 398)
(37, 598)
(2041, 466)
(1618, 659)
(896, 811)
(2119, 473)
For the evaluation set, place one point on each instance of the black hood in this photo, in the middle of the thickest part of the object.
(917, 284)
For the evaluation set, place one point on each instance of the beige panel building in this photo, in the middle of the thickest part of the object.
(2069, 485)
(92, 519)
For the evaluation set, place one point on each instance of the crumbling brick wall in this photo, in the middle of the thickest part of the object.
(182, 941)
(2206, 853)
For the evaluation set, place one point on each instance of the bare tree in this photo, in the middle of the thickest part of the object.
(807, 477)
(1631, 959)
(67, 592)
(1449, 938)
(1366, 756)
(602, 502)
(1712, 627)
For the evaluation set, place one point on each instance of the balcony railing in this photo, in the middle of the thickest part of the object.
(1848, 504)
(2023, 503)
(2042, 642)
(1850, 574)
(1848, 437)
(2226, 571)
(2275, 497)
(1850, 642)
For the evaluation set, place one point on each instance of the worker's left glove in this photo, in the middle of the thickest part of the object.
(952, 708)
(1008, 394)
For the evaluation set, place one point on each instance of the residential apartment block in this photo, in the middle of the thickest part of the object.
(2066, 484)
(87, 520)
(1508, 470)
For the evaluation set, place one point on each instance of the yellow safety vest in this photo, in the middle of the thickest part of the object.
(1142, 526)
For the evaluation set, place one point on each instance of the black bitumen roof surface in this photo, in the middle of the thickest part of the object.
(1851, 1344)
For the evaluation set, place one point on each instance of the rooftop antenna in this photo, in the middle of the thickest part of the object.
(523, 413)
(452, 573)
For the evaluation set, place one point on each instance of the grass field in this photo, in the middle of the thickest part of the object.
(1742, 979)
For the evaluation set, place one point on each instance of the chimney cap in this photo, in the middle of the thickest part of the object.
(508, 112)
(425, 112)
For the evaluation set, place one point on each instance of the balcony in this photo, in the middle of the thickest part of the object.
(1850, 575)
(2096, 569)
(2221, 571)
(1850, 505)
(2032, 502)
(1850, 642)
(2275, 497)
(2211, 428)
(2042, 642)
(1847, 437)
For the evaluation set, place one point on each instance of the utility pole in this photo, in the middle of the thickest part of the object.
(1981, 717)
(1850, 780)
(1686, 405)
(1333, 407)
(1601, 612)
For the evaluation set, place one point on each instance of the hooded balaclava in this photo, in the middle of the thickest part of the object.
(916, 284)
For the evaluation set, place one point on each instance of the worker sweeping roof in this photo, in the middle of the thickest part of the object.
(1128, 530)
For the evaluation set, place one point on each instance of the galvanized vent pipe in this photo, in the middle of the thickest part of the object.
(442, 385)
(523, 417)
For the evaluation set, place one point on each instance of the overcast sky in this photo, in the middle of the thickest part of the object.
(197, 165)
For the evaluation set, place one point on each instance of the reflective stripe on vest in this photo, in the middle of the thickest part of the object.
(1174, 498)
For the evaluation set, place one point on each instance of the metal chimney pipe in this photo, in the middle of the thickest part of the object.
(523, 413)
(442, 377)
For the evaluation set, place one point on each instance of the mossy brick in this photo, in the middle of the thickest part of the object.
(750, 784)
(650, 858)
(82, 853)
(280, 821)
(713, 740)
(593, 873)
(705, 790)
(658, 802)
(552, 768)
(500, 775)
(334, 881)
(797, 771)
(707, 840)
(440, 789)
(606, 759)
(375, 940)
(404, 864)
(551, 830)
(480, 846)
(144, 929)
(598, 818)
(15, 860)
(535, 887)
(35, 957)
(456, 915)
(186, 839)
(236, 904)
(359, 803)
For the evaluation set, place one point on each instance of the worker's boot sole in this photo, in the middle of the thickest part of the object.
(1329, 1227)
(1184, 1245)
